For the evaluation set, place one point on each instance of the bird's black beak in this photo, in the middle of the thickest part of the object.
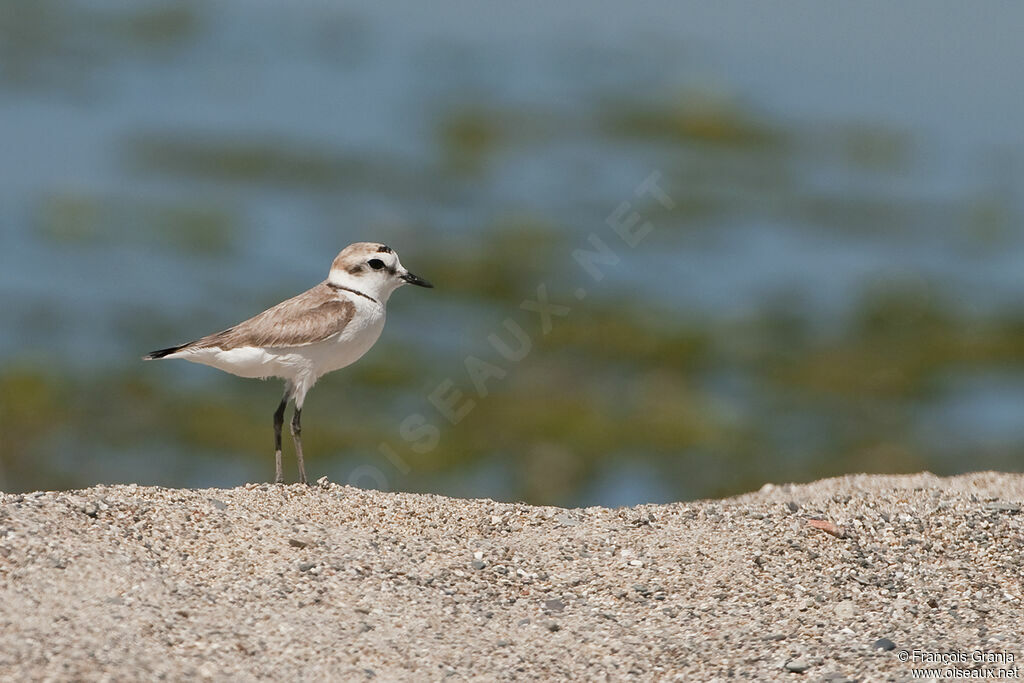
(415, 280)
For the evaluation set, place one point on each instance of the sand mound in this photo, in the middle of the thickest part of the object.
(828, 580)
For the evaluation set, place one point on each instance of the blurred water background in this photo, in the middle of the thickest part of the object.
(837, 288)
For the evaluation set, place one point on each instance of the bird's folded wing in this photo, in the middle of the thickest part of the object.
(310, 317)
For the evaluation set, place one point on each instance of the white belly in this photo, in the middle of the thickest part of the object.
(297, 364)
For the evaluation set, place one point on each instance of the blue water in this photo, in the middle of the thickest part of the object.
(366, 85)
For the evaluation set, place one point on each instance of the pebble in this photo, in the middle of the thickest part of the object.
(797, 666)
(1010, 508)
(565, 519)
(884, 644)
(846, 610)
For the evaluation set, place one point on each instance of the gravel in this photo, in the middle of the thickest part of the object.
(794, 582)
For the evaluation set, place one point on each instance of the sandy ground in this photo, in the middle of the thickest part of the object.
(330, 582)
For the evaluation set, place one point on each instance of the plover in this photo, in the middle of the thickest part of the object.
(299, 340)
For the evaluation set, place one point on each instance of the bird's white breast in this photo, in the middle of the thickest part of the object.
(356, 339)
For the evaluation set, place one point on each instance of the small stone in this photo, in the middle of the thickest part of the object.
(836, 677)
(793, 507)
(565, 519)
(846, 610)
(91, 509)
(553, 626)
(636, 563)
(478, 564)
(797, 666)
(219, 504)
(478, 555)
(643, 520)
(297, 543)
(554, 605)
(827, 526)
(306, 566)
(884, 644)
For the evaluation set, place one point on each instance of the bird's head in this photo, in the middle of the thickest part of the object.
(373, 269)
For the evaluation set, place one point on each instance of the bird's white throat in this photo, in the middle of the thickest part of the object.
(377, 285)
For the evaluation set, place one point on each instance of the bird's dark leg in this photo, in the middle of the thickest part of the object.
(297, 437)
(278, 423)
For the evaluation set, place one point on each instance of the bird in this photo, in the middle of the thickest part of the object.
(299, 340)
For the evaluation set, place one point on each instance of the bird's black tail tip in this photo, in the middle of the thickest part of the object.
(161, 353)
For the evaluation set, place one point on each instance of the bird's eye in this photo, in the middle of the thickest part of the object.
(375, 263)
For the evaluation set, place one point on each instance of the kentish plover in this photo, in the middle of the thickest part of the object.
(323, 329)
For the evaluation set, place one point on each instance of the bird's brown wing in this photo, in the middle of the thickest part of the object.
(308, 318)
